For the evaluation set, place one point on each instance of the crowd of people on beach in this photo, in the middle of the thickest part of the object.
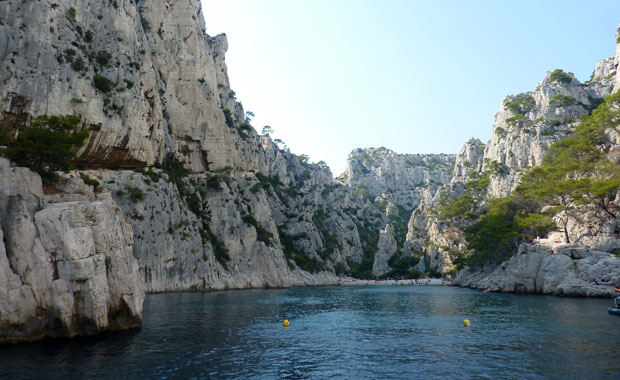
(391, 281)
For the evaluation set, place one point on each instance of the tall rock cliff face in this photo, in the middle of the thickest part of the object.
(436, 242)
(231, 229)
(66, 263)
(525, 126)
(144, 75)
(228, 209)
(403, 179)
(92, 59)
(397, 184)
(387, 247)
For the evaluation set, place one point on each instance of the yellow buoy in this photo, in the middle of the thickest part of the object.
(466, 322)
(285, 323)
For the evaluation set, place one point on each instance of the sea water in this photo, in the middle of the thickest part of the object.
(350, 332)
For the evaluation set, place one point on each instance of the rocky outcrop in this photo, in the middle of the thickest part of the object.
(397, 184)
(469, 159)
(535, 269)
(230, 229)
(144, 76)
(525, 126)
(387, 247)
(66, 264)
(404, 179)
(437, 242)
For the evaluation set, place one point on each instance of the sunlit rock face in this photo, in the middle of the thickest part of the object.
(397, 184)
(525, 127)
(387, 247)
(149, 84)
(407, 179)
(537, 269)
(267, 229)
(527, 124)
(66, 263)
(144, 75)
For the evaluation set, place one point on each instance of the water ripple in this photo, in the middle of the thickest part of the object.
(340, 333)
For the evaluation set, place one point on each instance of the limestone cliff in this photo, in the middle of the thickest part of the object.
(387, 247)
(227, 208)
(537, 270)
(176, 190)
(232, 229)
(404, 180)
(66, 263)
(144, 75)
(525, 126)
(397, 184)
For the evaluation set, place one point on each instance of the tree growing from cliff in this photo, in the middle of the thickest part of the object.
(576, 170)
(558, 75)
(547, 186)
(303, 159)
(508, 221)
(49, 144)
(465, 207)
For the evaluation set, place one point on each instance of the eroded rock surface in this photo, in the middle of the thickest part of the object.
(535, 269)
(66, 265)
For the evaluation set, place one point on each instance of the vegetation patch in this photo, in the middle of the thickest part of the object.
(228, 117)
(103, 84)
(135, 193)
(262, 234)
(402, 267)
(288, 241)
(560, 100)
(79, 65)
(513, 121)
(49, 144)
(103, 58)
(399, 221)
(559, 76)
(519, 104)
(221, 252)
(307, 263)
(71, 14)
(330, 241)
(369, 238)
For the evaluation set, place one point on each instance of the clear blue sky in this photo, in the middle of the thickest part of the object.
(413, 76)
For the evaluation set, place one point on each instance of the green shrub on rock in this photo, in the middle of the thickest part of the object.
(519, 104)
(102, 83)
(562, 100)
(560, 76)
(48, 145)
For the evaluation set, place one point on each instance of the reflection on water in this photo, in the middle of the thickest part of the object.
(345, 332)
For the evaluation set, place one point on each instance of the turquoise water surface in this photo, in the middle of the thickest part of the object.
(365, 332)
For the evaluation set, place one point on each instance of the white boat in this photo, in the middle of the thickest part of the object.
(616, 309)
